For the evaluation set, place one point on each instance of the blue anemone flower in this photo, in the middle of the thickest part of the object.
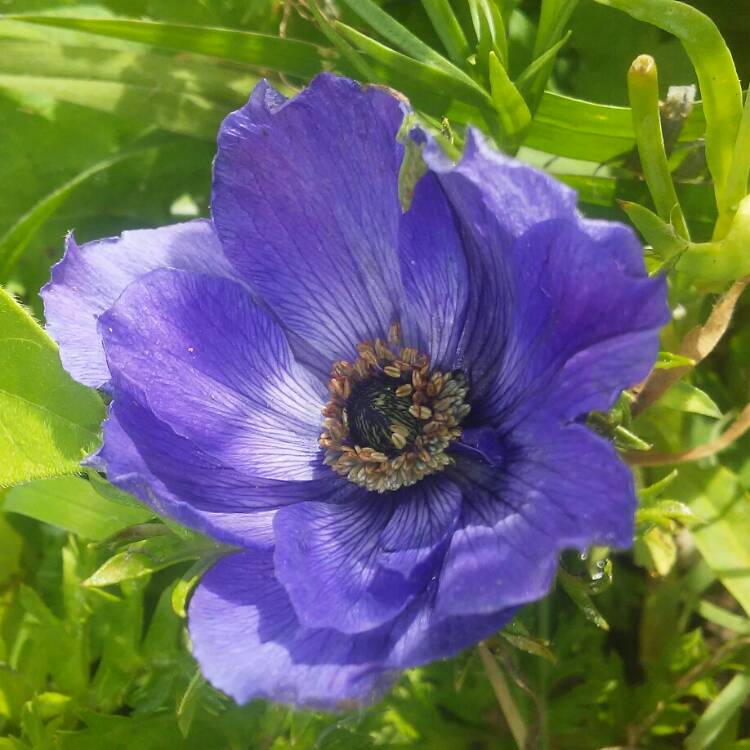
(380, 409)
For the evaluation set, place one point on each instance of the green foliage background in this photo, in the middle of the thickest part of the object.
(108, 114)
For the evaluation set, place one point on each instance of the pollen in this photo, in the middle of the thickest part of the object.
(390, 419)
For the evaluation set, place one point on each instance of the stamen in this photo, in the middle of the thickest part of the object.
(390, 420)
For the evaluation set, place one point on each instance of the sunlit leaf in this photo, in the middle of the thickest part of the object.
(48, 422)
(72, 504)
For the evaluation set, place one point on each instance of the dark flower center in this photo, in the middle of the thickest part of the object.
(375, 412)
(390, 418)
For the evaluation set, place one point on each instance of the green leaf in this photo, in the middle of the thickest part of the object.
(514, 115)
(48, 422)
(73, 505)
(578, 591)
(289, 56)
(664, 512)
(717, 497)
(668, 361)
(716, 716)
(526, 79)
(11, 545)
(364, 71)
(661, 550)
(188, 581)
(17, 238)
(401, 37)
(553, 18)
(717, 76)
(147, 556)
(517, 635)
(189, 703)
(648, 494)
(685, 397)
(448, 28)
(490, 32)
(411, 76)
(723, 617)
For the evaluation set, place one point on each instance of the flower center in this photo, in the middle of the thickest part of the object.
(390, 419)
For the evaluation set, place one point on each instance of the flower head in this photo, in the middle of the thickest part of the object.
(380, 409)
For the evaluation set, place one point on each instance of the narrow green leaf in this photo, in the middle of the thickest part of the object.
(668, 361)
(658, 233)
(524, 642)
(525, 80)
(685, 397)
(717, 715)
(415, 79)
(48, 422)
(147, 556)
(627, 440)
(723, 617)
(401, 37)
(189, 702)
(186, 583)
(285, 55)
(449, 30)
(717, 76)
(490, 32)
(513, 113)
(664, 512)
(553, 19)
(653, 491)
(17, 238)
(577, 590)
(643, 91)
(73, 505)
(345, 49)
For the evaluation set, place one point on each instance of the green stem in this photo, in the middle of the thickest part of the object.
(504, 696)
(543, 631)
(643, 90)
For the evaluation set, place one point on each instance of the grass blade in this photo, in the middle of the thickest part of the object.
(448, 28)
(289, 56)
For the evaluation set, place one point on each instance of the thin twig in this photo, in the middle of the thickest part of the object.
(697, 345)
(653, 458)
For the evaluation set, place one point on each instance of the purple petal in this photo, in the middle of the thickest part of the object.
(91, 277)
(434, 273)
(212, 421)
(583, 329)
(355, 565)
(206, 496)
(250, 644)
(305, 201)
(217, 369)
(517, 195)
(547, 286)
(558, 487)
